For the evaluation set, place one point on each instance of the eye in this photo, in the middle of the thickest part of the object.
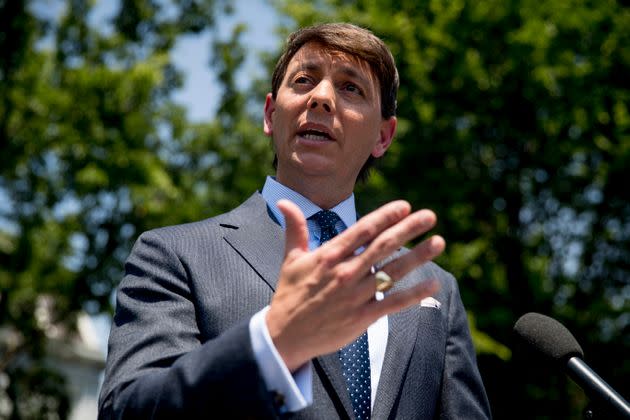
(353, 88)
(300, 80)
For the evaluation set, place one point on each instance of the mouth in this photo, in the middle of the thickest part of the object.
(315, 134)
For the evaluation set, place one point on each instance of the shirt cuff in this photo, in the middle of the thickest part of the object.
(297, 389)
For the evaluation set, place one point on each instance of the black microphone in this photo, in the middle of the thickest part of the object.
(553, 340)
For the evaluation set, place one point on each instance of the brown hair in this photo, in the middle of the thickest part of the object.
(352, 40)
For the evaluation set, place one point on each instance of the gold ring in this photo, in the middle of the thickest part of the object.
(383, 281)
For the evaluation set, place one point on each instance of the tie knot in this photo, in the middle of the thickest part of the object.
(326, 220)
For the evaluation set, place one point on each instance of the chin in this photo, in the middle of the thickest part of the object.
(314, 165)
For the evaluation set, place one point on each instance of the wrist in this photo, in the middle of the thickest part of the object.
(285, 346)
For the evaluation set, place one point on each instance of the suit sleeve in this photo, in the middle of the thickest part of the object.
(463, 394)
(157, 366)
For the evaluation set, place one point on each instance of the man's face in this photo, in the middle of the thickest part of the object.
(326, 118)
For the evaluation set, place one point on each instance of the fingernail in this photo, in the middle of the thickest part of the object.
(437, 244)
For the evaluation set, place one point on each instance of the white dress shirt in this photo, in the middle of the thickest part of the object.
(297, 387)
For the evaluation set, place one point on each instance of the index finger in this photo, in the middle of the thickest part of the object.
(367, 228)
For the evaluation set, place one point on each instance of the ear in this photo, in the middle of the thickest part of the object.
(386, 135)
(270, 107)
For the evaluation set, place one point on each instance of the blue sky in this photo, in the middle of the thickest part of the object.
(200, 92)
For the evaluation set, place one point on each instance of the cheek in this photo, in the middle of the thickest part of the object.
(366, 126)
(364, 116)
(284, 115)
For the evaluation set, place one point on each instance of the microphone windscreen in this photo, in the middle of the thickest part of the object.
(547, 336)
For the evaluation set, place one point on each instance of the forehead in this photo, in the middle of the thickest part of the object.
(314, 56)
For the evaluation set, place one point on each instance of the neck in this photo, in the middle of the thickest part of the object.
(326, 192)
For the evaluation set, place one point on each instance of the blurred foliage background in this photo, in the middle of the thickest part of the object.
(514, 126)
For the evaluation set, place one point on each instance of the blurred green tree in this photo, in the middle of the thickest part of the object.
(95, 151)
(514, 126)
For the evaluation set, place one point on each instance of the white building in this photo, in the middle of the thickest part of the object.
(81, 359)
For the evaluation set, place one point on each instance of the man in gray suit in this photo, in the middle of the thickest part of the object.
(287, 306)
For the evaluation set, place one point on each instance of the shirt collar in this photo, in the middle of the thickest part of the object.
(273, 191)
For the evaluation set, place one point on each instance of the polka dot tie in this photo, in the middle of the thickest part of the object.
(326, 220)
(355, 357)
(355, 360)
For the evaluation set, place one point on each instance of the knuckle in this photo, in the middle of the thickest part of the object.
(386, 243)
(367, 232)
(419, 220)
(335, 255)
(344, 273)
(392, 217)
(327, 259)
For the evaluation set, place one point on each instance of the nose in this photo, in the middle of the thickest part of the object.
(322, 97)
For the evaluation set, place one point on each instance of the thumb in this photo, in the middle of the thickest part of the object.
(296, 233)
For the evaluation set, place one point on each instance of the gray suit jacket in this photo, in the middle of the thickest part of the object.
(180, 346)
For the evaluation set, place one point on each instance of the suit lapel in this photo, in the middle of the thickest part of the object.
(403, 331)
(257, 238)
(329, 370)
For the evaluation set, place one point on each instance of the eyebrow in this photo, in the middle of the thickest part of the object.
(346, 69)
(308, 65)
(352, 73)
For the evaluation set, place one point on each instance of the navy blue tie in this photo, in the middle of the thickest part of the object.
(355, 357)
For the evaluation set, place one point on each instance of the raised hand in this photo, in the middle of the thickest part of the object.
(326, 298)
